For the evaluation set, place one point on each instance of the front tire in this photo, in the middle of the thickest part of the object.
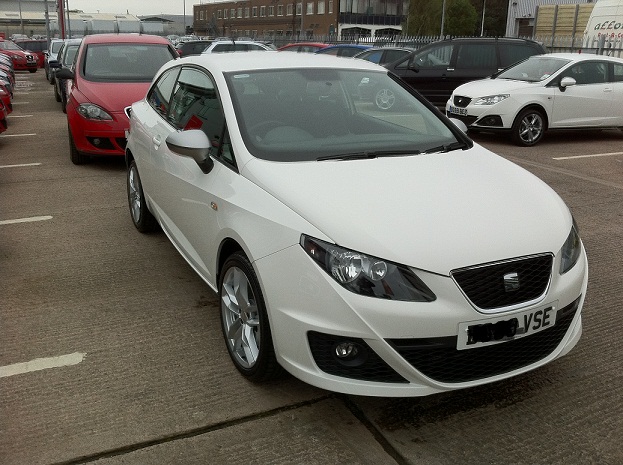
(244, 321)
(142, 218)
(77, 158)
(528, 128)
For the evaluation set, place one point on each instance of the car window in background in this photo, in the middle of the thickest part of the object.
(512, 53)
(434, 57)
(374, 56)
(124, 62)
(618, 73)
(160, 95)
(393, 55)
(476, 56)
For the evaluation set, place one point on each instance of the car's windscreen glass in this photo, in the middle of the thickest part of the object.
(310, 114)
(534, 69)
(124, 62)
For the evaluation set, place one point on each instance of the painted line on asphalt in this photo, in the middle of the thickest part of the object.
(17, 135)
(26, 220)
(19, 116)
(21, 165)
(589, 156)
(41, 364)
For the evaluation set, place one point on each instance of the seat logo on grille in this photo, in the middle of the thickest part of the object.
(511, 282)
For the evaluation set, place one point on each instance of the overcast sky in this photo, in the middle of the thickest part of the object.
(135, 7)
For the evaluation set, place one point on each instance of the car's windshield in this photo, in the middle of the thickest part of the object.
(124, 62)
(310, 114)
(9, 45)
(534, 69)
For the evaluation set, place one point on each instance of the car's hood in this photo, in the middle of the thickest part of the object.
(484, 87)
(113, 97)
(436, 212)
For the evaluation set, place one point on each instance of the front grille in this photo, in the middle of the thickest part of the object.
(485, 286)
(461, 102)
(439, 360)
(369, 368)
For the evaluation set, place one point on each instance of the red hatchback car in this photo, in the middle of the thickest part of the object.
(111, 71)
(22, 60)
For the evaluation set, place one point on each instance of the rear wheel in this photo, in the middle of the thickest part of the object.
(77, 158)
(528, 128)
(142, 218)
(244, 320)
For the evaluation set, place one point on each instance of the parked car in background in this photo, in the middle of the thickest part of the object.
(36, 47)
(7, 81)
(22, 60)
(546, 92)
(66, 58)
(232, 45)
(51, 56)
(192, 47)
(343, 50)
(383, 55)
(111, 71)
(435, 70)
(303, 47)
(340, 238)
(6, 98)
(3, 116)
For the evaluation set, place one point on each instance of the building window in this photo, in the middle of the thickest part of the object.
(280, 10)
(239, 12)
(299, 9)
(254, 10)
(320, 7)
(262, 11)
(271, 11)
(290, 9)
(224, 14)
(310, 8)
(330, 6)
(247, 12)
(219, 14)
(232, 13)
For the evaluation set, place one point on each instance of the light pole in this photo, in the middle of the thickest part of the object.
(443, 16)
(482, 22)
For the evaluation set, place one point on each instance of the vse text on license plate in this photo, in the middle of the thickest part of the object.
(504, 328)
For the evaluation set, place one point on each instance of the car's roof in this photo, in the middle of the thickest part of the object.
(266, 60)
(361, 46)
(310, 44)
(125, 38)
(580, 57)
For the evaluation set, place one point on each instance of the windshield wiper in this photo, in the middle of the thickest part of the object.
(368, 154)
(447, 147)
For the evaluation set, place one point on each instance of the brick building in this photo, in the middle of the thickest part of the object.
(308, 18)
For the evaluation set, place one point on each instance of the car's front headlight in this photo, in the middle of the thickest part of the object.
(367, 275)
(571, 249)
(491, 99)
(90, 111)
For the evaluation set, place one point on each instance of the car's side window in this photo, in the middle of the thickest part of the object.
(617, 73)
(434, 57)
(476, 56)
(591, 72)
(159, 96)
(195, 105)
(513, 53)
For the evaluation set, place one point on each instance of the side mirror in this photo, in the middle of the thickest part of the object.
(194, 144)
(64, 73)
(566, 82)
(459, 124)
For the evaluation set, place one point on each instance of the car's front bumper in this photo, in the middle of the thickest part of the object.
(498, 117)
(411, 347)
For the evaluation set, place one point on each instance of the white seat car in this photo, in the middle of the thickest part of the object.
(364, 251)
(544, 92)
(231, 45)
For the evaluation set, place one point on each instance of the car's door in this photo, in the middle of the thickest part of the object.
(428, 72)
(589, 101)
(187, 197)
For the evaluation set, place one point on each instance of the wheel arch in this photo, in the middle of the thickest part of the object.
(534, 106)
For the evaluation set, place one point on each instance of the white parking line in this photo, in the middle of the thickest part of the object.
(42, 364)
(589, 156)
(20, 165)
(26, 220)
(19, 116)
(17, 135)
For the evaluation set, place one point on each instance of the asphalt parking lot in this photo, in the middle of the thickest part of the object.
(111, 350)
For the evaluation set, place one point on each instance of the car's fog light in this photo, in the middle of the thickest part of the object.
(346, 350)
(96, 141)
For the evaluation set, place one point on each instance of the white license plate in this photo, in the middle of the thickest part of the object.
(481, 333)
(458, 111)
